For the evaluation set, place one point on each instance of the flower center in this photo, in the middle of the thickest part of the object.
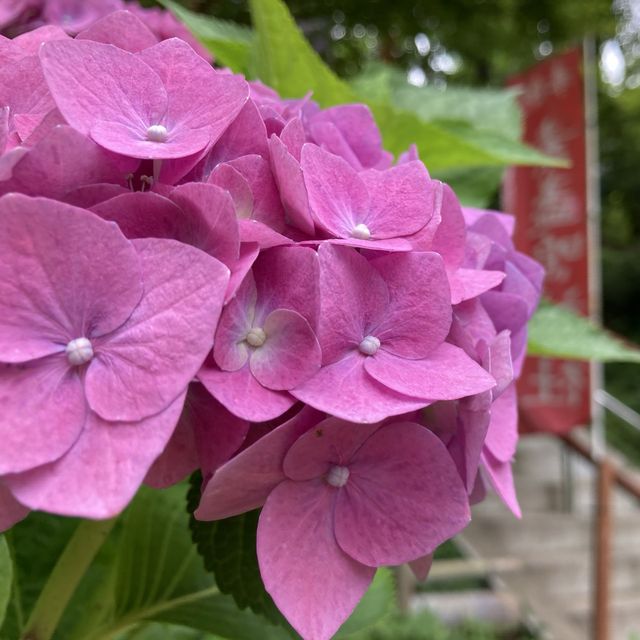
(256, 336)
(157, 133)
(337, 476)
(361, 231)
(79, 351)
(369, 345)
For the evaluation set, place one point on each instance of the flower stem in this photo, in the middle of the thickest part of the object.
(65, 577)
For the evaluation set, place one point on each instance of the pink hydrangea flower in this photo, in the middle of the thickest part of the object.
(99, 338)
(340, 499)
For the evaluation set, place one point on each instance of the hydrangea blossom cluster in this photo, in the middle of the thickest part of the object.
(197, 273)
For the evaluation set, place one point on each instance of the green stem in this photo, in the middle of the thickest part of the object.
(65, 577)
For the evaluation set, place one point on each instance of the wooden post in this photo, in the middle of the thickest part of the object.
(603, 530)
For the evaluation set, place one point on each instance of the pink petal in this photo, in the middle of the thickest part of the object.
(231, 351)
(30, 41)
(502, 436)
(11, 511)
(345, 390)
(261, 234)
(296, 541)
(122, 29)
(248, 253)
(330, 442)
(469, 283)
(421, 567)
(199, 97)
(64, 274)
(98, 83)
(43, 412)
(291, 353)
(288, 278)
(418, 316)
(102, 471)
(402, 499)
(354, 298)
(143, 366)
(243, 395)
(90, 195)
(338, 197)
(230, 179)
(245, 481)
(501, 478)
(402, 200)
(448, 373)
(450, 236)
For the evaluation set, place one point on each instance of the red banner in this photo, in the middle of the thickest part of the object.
(551, 225)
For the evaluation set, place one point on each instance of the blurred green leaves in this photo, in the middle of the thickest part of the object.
(6, 577)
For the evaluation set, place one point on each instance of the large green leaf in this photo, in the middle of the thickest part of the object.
(230, 43)
(556, 332)
(6, 577)
(287, 62)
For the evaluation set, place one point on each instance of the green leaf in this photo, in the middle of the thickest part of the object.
(228, 549)
(287, 62)
(377, 604)
(556, 332)
(230, 43)
(6, 577)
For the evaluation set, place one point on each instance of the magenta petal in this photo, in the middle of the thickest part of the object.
(501, 478)
(243, 395)
(502, 436)
(245, 481)
(232, 181)
(43, 412)
(248, 253)
(122, 29)
(421, 567)
(261, 234)
(291, 353)
(402, 200)
(344, 389)
(449, 240)
(418, 316)
(469, 283)
(199, 97)
(148, 362)
(102, 471)
(93, 82)
(64, 274)
(448, 373)
(231, 351)
(354, 298)
(338, 197)
(11, 511)
(296, 541)
(402, 499)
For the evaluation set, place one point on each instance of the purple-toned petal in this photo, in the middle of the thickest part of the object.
(344, 389)
(64, 274)
(148, 362)
(199, 97)
(95, 83)
(243, 395)
(402, 199)
(449, 239)
(227, 177)
(248, 253)
(288, 278)
(291, 353)
(30, 41)
(502, 436)
(418, 316)
(330, 442)
(43, 412)
(93, 194)
(338, 197)
(265, 237)
(103, 470)
(354, 298)
(497, 360)
(122, 29)
(470, 283)
(421, 567)
(231, 351)
(11, 511)
(501, 479)
(288, 176)
(296, 541)
(402, 499)
(448, 373)
(244, 482)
